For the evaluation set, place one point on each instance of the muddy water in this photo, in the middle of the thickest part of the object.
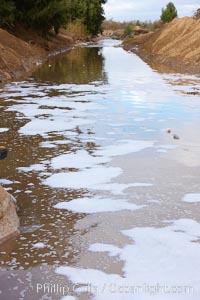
(108, 201)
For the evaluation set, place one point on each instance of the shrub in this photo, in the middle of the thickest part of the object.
(7, 13)
(76, 30)
(197, 14)
(128, 30)
(43, 15)
(169, 13)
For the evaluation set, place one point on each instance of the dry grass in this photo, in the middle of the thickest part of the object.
(75, 30)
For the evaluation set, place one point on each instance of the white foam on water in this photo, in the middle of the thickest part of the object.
(97, 205)
(168, 256)
(63, 142)
(68, 298)
(119, 188)
(92, 174)
(8, 189)
(111, 249)
(44, 126)
(84, 179)
(45, 118)
(71, 133)
(39, 245)
(54, 144)
(5, 181)
(79, 160)
(29, 110)
(191, 198)
(32, 168)
(28, 192)
(124, 147)
(47, 145)
(4, 129)
(92, 277)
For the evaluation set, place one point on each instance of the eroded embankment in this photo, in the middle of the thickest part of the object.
(173, 48)
(23, 51)
(9, 222)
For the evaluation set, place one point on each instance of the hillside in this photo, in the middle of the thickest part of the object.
(24, 50)
(16, 56)
(176, 46)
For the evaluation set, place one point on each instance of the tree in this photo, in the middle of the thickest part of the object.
(43, 15)
(90, 12)
(94, 16)
(197, 14)
(138, 23)
(128, 30)
(7, 13)
(169, 13)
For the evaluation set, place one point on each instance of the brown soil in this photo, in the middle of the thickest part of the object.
(9, 222)
(174, 48)
(23, 50)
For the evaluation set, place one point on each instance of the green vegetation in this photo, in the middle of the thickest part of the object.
(169, 13)
(45, 15)
(114, 25)
(197, 14)
(75, 30)
(42, 15)
(128, 30)
(90, 12)
(7, 13)
(123, 30)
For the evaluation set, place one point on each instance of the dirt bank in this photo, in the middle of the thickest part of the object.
(173, 48)
(23, 50)
(9, 222)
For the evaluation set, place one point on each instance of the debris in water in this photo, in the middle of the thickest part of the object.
(176, 137)
(3, 152)
(168, 130)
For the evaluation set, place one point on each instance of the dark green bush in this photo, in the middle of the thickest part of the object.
(169, 13)
(43, 15)
(7, 13)
(197, 14)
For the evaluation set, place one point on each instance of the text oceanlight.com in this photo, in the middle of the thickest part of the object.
(112, 288)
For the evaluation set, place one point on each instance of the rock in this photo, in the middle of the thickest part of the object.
(9, 221)
(168, 130)
(3, 152)
(176, 137)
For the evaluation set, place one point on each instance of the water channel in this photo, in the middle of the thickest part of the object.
(108, 200)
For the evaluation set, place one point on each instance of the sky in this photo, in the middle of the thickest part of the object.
(126, 10)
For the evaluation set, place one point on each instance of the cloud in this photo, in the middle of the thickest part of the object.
(145, 10)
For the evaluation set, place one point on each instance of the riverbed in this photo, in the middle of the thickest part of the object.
(108, 199)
